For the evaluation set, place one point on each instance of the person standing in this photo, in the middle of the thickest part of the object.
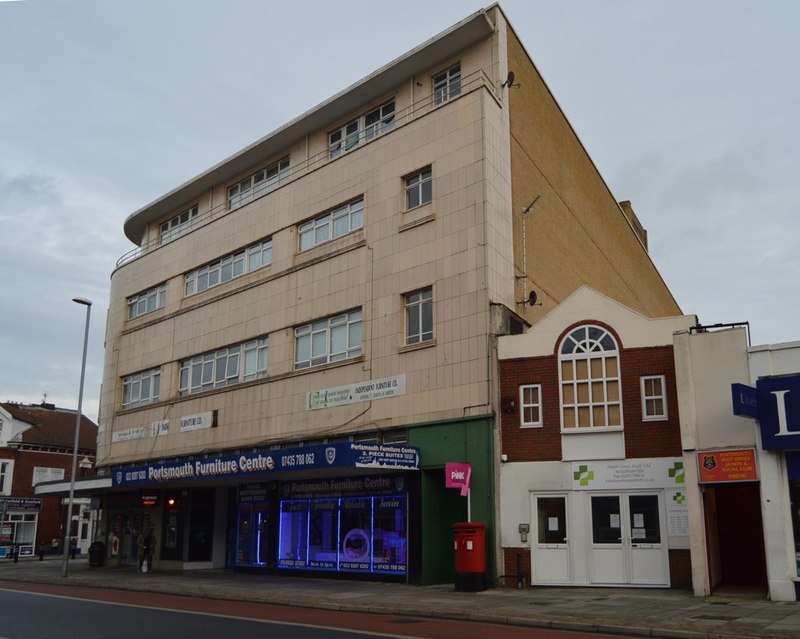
(147, 548)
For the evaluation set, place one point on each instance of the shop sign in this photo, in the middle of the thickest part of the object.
(358, 392)
(458, 475)
(714, 466)
(653, 472)
(344, 487)
(23, 504)
(148, 498)
(779, 412)
(127, 434)
(157, 429)
(260, 462)
(197, 422)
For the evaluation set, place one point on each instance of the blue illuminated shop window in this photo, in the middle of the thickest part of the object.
(252, 534)
(293, 535)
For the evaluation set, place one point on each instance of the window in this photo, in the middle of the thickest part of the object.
(225, 367)
(447, 84)
(333, 224)
(419, 316)
(530, 406)
(147, 302)
(590, 380)
(654, 397)
(229, 267)
(258, 184)
(43, 474)
(141, 388)
(6, 471)
(418, 188)
(178, 225)
(367, 127)
(329, 340)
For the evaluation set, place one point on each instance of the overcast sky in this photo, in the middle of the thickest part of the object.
(689, 108)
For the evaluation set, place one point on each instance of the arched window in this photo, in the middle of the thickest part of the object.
(589, 372)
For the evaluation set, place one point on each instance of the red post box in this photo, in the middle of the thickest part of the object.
(470, 549)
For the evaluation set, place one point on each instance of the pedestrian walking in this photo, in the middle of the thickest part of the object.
(147, 548)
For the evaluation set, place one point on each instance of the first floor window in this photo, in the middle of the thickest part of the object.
(329, 340)
(178, 225)
(5, 477)
(419, 316)
(530, 405)
(418, 188)
(141, 388)
(654, 397)
(147, 302)
(224, 367)
(447, 84)
(340, 221)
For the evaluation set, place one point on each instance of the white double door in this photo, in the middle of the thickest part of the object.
(621, 537)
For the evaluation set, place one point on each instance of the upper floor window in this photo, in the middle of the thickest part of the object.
(229, 267)
(257, 184)
(447, 84)
(329, 340)
(6, 468)
(147, 302)
(141, 388)
(419, 316)
(654, 397)
(418, 187)
(332, 224)
(178, 225)
(530, 405)
(368, 126)
(590, 379)
(224, 367)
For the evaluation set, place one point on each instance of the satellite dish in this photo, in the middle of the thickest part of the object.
(532, 298)
(509, 80)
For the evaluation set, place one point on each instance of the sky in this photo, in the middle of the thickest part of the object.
(689, 109)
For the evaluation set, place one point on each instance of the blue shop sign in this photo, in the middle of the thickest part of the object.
(779, 412)
(252, 465)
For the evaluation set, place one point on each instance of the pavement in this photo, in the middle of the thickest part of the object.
(670, 613)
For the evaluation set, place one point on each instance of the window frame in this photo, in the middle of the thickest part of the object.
(259, 183)
(224, 367)
(157, 295)
(150, 378)
(6, 476)
(331, 221)
(446, 84)
(597, 347)
(645, 398)
(420, 184)
(523, 423)
(415, 303)
(179, 225)
(368, 126)
(321, 332)
(228, 267)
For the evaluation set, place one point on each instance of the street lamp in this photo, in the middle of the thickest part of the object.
(68, 525)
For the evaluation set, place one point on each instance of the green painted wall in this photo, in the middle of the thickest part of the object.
(464, 441)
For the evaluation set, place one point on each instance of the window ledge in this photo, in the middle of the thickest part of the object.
(417, 222)
(589, 431)
(416, 347)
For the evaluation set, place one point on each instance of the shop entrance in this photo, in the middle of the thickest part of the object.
(550, 556)
(628, 544)
(735, 537)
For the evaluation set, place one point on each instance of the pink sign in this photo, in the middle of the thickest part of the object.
(458, 475)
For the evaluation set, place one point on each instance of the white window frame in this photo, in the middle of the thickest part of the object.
(419, 310)
(178, 225)
(447, 84)
(6, 476)
(600, 378)
(141, 388)
(527, 402)
(419, 188)
(328, 340)
(225, 367)
(228, 268)
(147, 301)
(328, 226)
(369, 126)
(648, 398)
(258, 184)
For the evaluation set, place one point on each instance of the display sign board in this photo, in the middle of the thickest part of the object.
(358, 392)
(458, 475)
(630, 474)
(779, 412)
(745, 400)
(24, 504)
(715, 466)
(253, 465)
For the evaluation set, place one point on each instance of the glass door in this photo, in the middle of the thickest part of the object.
(550, 559)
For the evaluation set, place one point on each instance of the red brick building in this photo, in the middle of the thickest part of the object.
(36, 444)
(591, 475)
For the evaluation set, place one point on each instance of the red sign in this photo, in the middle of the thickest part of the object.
(727, 465)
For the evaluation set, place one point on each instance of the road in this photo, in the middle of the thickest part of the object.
(33, 611)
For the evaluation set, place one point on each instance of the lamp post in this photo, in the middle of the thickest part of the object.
(68, 524)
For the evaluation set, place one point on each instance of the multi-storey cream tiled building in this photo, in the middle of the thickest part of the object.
(305, 333)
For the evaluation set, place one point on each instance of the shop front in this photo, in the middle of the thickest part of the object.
(340, 508)
(18, 519)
